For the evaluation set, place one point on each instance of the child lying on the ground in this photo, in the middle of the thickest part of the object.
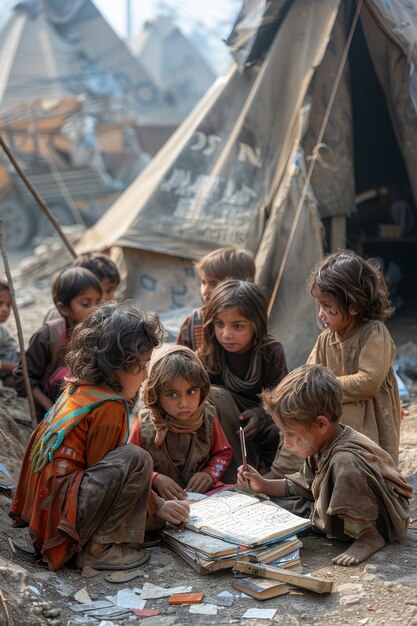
(352, 486)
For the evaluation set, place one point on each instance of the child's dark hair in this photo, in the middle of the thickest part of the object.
(68, 283)
(114, 336)
(356, 283)
(100, 264)
(168, 368)
(227, 263)
(4, 285)
(303, 395)
(251, 303)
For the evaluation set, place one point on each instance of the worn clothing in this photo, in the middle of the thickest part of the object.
(231, 404)
(363, 366)
(353, 486)
(8, 348)
(191, 333)
(181, 455)
(48, 501)
(45, 362)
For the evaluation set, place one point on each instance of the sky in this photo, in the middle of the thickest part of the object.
(205, 21)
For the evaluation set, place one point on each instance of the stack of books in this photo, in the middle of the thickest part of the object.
(230, 525)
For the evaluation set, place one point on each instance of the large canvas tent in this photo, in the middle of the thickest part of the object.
(234, 172)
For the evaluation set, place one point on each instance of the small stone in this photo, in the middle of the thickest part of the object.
(370, 569)
(51, 612)
(349, 600)
(369, 577)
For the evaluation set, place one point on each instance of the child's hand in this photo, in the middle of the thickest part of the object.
(251, 426)
(200, 482)
(251, 476)
(174, 512)
(168, 488)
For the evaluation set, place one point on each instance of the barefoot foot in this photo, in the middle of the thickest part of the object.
(362, 548)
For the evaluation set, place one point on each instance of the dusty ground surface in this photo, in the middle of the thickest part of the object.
(380, 591)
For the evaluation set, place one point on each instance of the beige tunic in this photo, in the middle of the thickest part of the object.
(353, 485)
(363, 366)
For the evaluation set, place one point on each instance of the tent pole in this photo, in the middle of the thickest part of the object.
(25, 371)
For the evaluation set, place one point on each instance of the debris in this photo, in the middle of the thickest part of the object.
(89, 572)
(123, 577)
(130, 599)
(260, 613)
(146, 612)
(203, 609)
(82, 596)
(150, 591)
(218, 600)
(185, 598)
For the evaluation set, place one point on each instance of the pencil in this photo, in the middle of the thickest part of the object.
(243, 449)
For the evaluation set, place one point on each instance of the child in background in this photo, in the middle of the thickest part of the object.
(9, 354)
(242, 360)
(351, 486)
(178, 427)
(356, 345)
(212, 269)
(75, 292)
(81, 489)
(103, 268)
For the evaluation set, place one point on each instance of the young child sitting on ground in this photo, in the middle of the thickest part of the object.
(350, 485)
(178, 427)
(212, 269)
(242, 359)
(103, 268)
(81, 489)
(75, 292)
(9, 354)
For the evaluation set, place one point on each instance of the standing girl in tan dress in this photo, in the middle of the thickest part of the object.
(357, 346)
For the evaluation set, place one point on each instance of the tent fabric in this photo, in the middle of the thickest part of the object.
(233, 173)
(390, 30)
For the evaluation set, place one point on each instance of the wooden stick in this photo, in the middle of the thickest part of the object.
(38, 198)
(312, 583)
(19, 329)
(6, 610)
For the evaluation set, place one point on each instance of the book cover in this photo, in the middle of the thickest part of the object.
(260, 588)
(243, 519)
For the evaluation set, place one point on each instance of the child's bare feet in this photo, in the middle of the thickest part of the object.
(362, 548)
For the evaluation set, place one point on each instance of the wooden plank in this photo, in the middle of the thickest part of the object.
(312, 583)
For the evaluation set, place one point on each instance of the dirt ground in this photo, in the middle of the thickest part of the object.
(380, 591)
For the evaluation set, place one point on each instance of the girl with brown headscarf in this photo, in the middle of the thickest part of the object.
(179, 427)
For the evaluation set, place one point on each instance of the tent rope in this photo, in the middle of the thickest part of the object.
(315, 155)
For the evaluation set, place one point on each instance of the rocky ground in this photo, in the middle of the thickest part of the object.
(381, 591)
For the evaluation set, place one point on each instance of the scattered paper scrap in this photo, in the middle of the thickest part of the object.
(106, 623)
(82, 596)
(218, 600)
(130, 599)
(203, 609)
(260, 613)
(91, 606)
(151, 592)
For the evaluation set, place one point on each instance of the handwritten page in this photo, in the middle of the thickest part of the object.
(217, 506)
(261, 522)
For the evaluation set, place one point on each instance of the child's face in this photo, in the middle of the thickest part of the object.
(5, 305)
(131, 379)
(108, 288)
(208, 283)
(233, 331)
(303, 440)
(332, 316)
(181, 400)
(80, 306)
